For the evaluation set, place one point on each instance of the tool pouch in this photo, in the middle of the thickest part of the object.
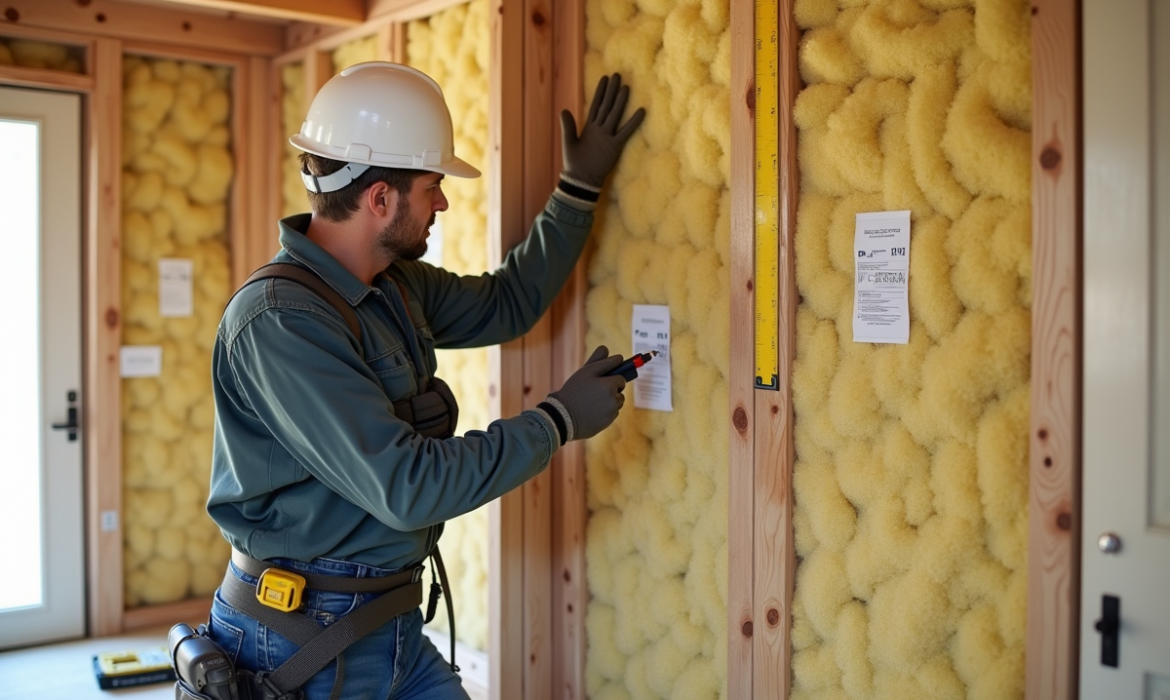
(205, 672)
(433, 413)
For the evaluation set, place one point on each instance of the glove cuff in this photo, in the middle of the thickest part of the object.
(580, 193)
(560, 417)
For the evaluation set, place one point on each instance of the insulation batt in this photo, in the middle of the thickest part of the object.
(177, 171)
(911, 475)
(40, 54)
(454, 48)
(656, 543)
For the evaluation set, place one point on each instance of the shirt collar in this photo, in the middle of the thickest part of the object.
(297, 246)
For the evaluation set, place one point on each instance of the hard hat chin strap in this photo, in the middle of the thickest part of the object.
(333, 181)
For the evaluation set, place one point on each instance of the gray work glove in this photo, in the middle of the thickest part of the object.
(590, 156)
(589, 400)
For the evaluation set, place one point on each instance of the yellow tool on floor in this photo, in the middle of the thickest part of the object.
(124, 669)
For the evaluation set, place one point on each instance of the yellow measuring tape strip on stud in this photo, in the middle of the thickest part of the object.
(767, 193)
(280, 589)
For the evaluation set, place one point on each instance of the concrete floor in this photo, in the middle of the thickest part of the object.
(64, 671)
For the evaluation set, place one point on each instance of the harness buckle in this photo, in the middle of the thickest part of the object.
(417, 576)
(280, 589)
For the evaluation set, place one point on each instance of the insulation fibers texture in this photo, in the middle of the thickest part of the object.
(911, 470)
(177, 168)
(294, 105)
(453, 47)
(656, 543)
(40, 54)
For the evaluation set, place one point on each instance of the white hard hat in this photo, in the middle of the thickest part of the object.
(383, 114)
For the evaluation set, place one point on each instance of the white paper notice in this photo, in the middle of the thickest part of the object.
(651, 331)
(175, 297)
(881, 301)
(141, 360)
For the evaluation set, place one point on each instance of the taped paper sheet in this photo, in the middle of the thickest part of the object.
(175, 287)
(141, 360)
(651, 331)
(881, 301)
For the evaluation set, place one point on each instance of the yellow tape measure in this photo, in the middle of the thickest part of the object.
(767, 197)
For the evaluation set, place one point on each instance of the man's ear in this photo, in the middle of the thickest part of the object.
(381, 200)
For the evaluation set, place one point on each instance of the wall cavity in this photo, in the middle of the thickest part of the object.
(911, 479)
(656, 543)
(177, 169)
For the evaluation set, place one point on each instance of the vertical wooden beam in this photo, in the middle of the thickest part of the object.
(241, 146)
(1054, 443)
(775, 560)
(257, 243)
(274, 140)
(318, 71)
(741, 465)
(537, 358)
(102, 398)
(506, 228)
(570, 515)
(390, 40)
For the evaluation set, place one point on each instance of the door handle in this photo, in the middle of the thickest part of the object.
(1109, 626)
(70, 423)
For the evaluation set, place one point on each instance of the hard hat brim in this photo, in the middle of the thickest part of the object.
(455, 166)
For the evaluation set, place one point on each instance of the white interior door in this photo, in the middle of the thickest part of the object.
(43, 582)
(1126, 488)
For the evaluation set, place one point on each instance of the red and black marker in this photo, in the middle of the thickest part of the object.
(629, 368)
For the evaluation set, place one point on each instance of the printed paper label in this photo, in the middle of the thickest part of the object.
(881, 301)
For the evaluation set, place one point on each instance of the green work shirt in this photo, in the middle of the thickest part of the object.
(309, 459)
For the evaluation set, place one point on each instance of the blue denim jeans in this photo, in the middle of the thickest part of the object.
(394, 662)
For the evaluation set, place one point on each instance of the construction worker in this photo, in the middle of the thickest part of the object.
(335, 462)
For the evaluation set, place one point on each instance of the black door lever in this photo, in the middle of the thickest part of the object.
(70, 423)
(1109, 625)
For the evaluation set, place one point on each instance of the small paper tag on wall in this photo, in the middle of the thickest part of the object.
(881, 298)
(141, 360)
(651, 331)
(175, 287)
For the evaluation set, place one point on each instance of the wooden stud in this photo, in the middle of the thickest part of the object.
(570, 593)
(407, 10)
(102, 398)
(255, 146)
(1054, 451)
(537, 350)
(334, 12)
(124, 20)
(505, 228)
(741, 465)
(60, 81)
(774, 557)
(154, 616)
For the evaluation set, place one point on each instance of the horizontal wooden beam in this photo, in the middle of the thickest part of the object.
(44, 78)
(338, 12)
(181, 26)
(407, 10)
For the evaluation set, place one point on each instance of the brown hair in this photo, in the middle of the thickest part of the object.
(340, 204)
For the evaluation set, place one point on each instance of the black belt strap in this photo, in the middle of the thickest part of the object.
(318, 645)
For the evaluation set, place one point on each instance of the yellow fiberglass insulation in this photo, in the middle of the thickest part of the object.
(453, 47)
(355, 51)
(912, 468)
(177, 169)
(656, 543)
(40, 54)
(293, 107)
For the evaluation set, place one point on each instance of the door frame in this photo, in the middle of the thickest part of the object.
(63, 604)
